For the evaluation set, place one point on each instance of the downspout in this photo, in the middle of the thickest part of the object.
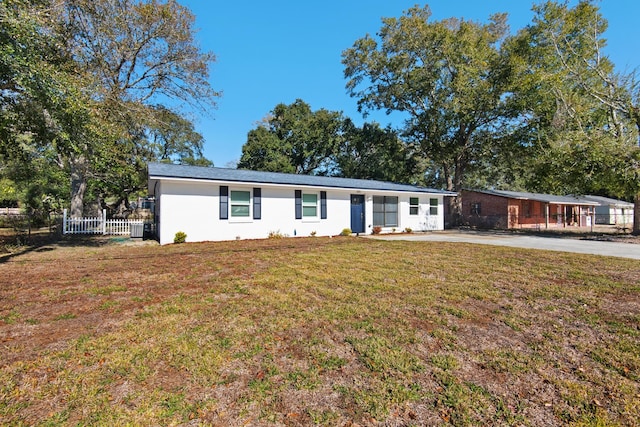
(156, 211)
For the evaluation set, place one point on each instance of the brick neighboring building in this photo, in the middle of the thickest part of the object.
(511, 209)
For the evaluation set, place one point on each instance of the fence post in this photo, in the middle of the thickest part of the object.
(64, 221)
(104, 221)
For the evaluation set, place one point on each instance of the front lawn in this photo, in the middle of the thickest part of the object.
(318, 331)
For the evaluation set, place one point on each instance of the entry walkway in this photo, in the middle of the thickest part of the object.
(550, 243)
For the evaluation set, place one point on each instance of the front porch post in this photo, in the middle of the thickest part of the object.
(546, 216)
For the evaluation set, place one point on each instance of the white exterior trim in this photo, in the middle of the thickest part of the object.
(193, 207)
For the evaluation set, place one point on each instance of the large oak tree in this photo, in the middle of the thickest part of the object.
(96, 85)
(136, 54)
(448, 77)
(581, 114)
(42, 107)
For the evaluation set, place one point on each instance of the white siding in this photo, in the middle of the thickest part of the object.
(192, 207)
(423, 221)
(614, 216)
(187, 207)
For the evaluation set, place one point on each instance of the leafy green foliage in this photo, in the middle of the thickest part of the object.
(180, 237)
(346, 232)
(85, 83)
(294, 139)
(371, 152)
(82, 81)
(579, 113)
(42, 109)
(539, 111)
(448, 77)
(264, 151)
(173, 139)
(140, 53)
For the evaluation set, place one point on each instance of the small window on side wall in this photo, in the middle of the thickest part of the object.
(433, 206)
(413, 205)
(475, 208)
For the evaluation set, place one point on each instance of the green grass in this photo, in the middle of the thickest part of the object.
(323, 332)
(65, 316)
(10, 318)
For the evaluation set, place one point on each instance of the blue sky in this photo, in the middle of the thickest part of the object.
(271, 52)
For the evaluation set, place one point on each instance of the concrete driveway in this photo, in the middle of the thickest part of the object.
(562, 244)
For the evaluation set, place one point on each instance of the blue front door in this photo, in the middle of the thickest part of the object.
(357, 213)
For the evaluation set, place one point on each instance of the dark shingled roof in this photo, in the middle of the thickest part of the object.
(545, 198)
(606, 201)
(165, 170)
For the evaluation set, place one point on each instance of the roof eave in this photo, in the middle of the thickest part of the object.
(424, 190)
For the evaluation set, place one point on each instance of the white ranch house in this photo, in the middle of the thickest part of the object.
(212, 204)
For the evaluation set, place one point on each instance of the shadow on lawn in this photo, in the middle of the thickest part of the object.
(12, 246)
(610, 234)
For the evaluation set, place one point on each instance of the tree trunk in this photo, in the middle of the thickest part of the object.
(122, 208)
(78, 166)
(456, 185)
(450, 218)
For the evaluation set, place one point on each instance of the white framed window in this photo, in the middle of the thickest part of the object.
(309, 205)
(433, 206)
(414, 204)
(385, 211)
(240, 204)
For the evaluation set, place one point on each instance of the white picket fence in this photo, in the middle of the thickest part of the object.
(98, 225)
(9, 211)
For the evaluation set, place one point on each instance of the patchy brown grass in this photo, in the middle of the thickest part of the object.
(318, 331)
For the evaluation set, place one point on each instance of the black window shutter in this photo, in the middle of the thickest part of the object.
(257, 203)
(298, 204)
(323, 205)
(224, 202)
